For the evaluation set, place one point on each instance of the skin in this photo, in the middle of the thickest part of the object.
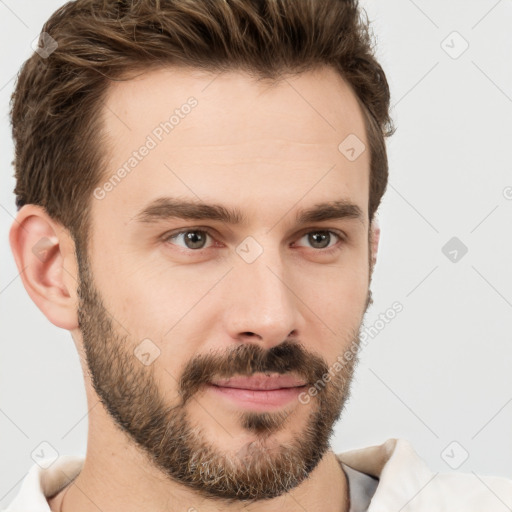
(268, 151)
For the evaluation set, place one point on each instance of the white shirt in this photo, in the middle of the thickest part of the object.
(390, 477)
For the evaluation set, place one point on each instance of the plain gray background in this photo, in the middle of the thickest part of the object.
(438, 374)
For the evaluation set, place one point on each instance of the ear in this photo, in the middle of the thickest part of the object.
(44, 253)
(374, 237)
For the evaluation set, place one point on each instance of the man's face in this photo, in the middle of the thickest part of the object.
(174, 310)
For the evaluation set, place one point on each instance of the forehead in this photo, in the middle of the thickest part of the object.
(229, 138)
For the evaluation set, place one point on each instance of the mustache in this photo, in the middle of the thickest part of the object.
(247, 359)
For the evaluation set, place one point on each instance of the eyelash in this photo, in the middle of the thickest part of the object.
(341, 236)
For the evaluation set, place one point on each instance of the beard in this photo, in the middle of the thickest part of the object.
(178, 448)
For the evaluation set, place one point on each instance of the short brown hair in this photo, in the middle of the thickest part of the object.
(57, 100)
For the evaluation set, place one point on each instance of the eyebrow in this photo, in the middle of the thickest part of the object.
(165, 208)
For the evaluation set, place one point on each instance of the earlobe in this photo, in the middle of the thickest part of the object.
(45, 258)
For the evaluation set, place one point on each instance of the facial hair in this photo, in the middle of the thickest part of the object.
(164, 433)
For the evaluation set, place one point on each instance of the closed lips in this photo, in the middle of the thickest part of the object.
(260, 382)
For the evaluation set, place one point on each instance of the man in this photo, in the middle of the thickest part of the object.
(197, 183)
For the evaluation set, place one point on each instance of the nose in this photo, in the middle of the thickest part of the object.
(261, 304)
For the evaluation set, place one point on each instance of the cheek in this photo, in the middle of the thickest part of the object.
(166, 307)
(151, 293)
(335, 300)
(339, 287)
(339, 309)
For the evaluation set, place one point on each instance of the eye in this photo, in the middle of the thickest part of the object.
(320, 239)
(194, 239)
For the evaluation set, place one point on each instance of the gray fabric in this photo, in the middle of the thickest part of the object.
(361, 488)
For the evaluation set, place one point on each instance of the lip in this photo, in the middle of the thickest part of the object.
(259, 392)
(260, 382)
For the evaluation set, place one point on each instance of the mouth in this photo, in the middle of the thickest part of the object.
(259, 392)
